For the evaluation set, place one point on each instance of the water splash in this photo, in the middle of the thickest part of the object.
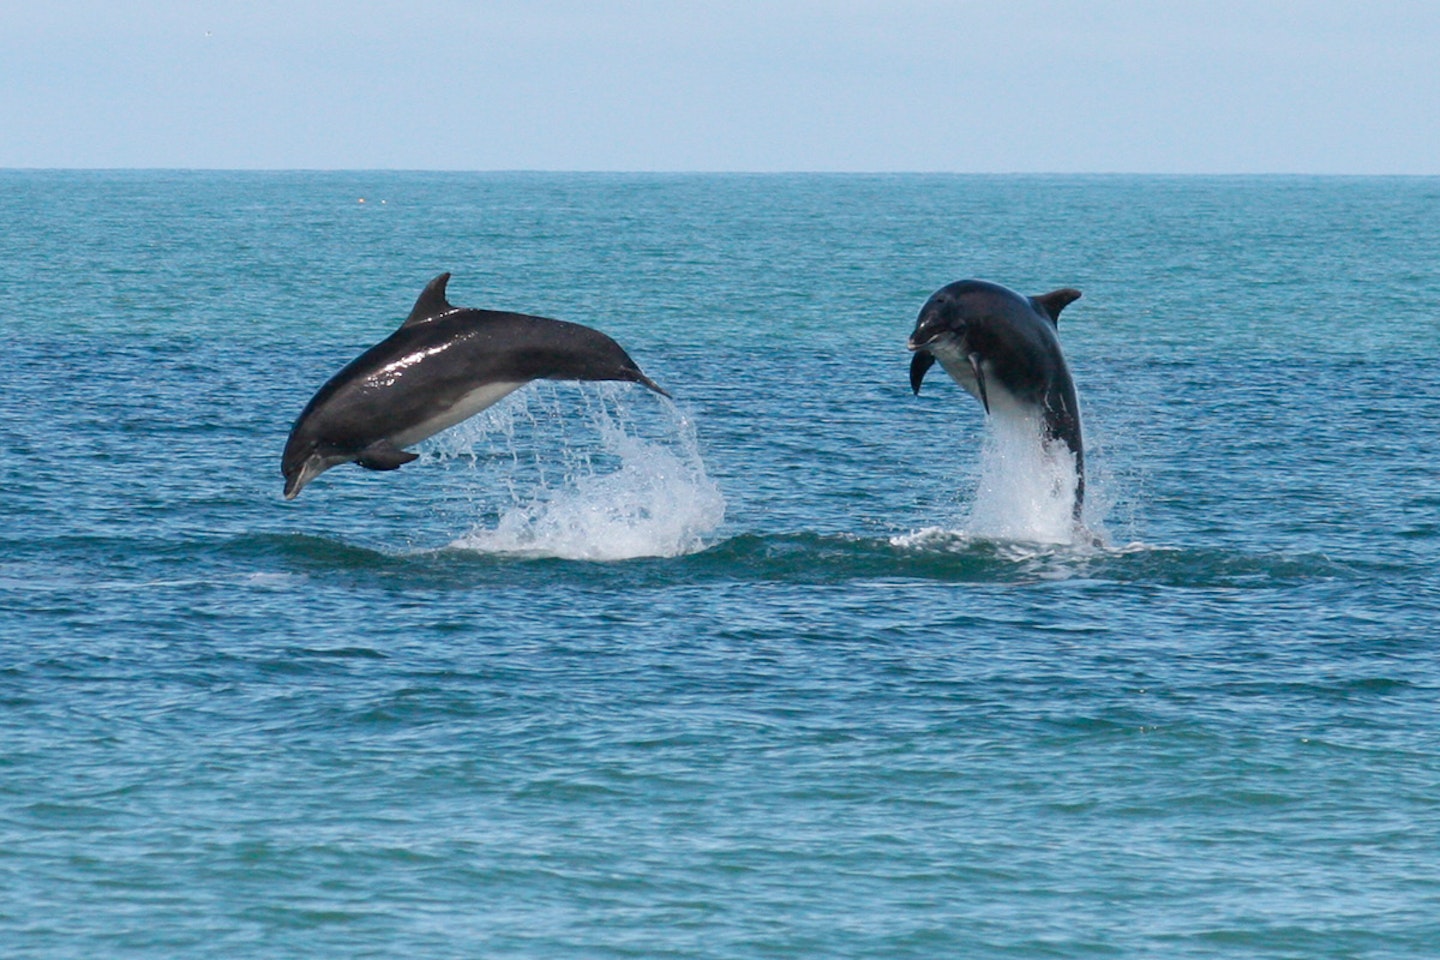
(1024, 493)
(1026, 489)
(616, 480)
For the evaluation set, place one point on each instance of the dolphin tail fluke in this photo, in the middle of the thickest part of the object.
(645, 381)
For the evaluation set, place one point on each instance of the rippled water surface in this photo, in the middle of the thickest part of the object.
(779, 669)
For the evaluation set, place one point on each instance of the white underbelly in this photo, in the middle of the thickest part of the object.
(486, 395)
(1002, 402)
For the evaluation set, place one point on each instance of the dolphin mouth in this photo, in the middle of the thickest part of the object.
(912, 344)
(311, 468)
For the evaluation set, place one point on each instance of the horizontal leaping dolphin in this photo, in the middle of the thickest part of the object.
(444, 365)
(1004, 348)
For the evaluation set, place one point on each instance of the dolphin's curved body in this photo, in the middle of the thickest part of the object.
(1004, 348)
(444, 365)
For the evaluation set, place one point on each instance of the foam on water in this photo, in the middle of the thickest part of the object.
(1024, 492)
(586, 484)
(1027, 485)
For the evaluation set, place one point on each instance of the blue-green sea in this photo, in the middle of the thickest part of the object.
(787, 667)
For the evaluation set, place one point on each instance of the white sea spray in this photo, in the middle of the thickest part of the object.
(1023, 496)
(1026, 487)
(614, 475)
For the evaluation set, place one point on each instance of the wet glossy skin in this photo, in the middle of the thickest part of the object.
(442, 366)
(1004, 349)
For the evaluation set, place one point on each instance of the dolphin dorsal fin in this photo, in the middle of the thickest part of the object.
(431, 303)
(1055, 301)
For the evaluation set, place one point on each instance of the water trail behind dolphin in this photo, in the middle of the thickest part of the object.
(1024, 490)
(618, 478)
(1026, 487)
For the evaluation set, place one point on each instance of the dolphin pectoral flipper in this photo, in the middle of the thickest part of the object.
(920, 363)
(974, 359)
(384, 455)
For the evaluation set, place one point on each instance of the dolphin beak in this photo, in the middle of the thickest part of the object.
(309, 470)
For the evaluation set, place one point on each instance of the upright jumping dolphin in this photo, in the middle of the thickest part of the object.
(1004, 348)
(444, 365)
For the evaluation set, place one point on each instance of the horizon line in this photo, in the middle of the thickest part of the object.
(557, 171)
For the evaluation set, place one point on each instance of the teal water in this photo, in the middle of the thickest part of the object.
(740, 676)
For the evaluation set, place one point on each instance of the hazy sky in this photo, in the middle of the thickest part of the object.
(1207, 86)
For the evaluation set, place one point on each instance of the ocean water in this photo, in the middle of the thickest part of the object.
(798, 665)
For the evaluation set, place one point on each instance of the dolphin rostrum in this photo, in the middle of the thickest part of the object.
(1004, 348)
(444, 365)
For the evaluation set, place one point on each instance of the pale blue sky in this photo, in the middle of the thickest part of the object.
(1213, 86)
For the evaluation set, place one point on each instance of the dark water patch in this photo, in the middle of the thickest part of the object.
(819, 558)
(309, 551)
(345, 653)
(814, 558)
(799, 558)
(1340, 689)
(413, 706)
(300, 918)
(52, 815)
